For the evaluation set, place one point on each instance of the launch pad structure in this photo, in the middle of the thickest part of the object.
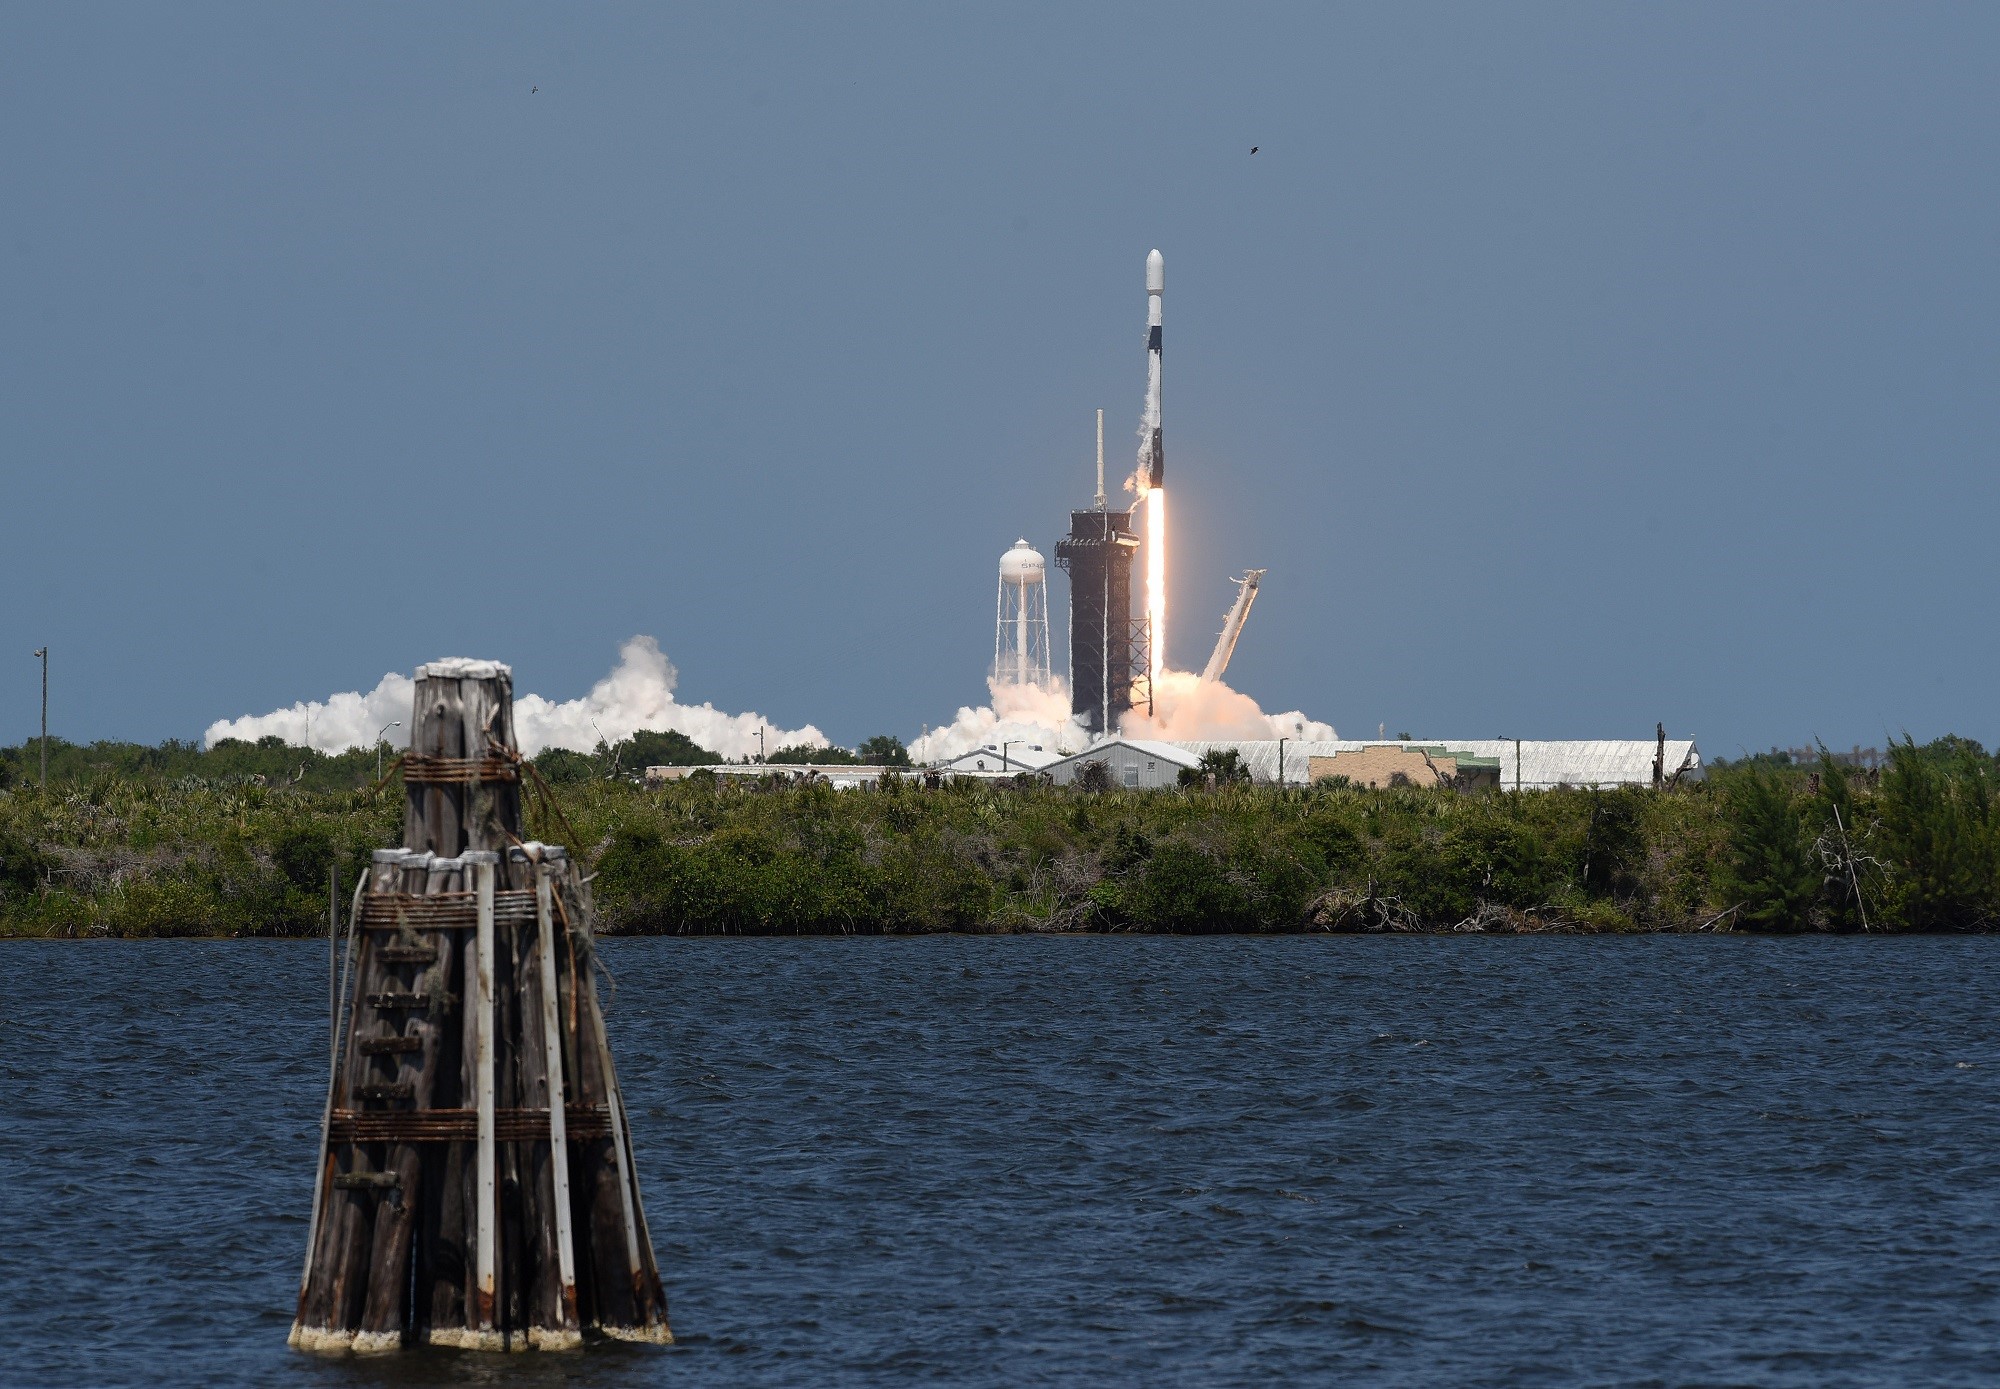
(1097, 555)
(1232, 623)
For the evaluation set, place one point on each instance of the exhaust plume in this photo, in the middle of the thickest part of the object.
(638, 693)
(1036, 714)
(1187, 708)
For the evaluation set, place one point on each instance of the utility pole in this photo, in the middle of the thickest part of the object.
(44, 654)
(760, 743)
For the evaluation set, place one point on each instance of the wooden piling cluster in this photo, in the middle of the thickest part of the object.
(475, 1185)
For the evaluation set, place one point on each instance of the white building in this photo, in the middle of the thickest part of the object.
(1525, 764)
(1138, 763)
(999, 759)
(840, 776)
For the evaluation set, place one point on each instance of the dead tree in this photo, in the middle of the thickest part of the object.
(475, 1185)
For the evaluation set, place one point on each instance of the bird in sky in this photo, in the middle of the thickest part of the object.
(1253, 149)
(533, 90)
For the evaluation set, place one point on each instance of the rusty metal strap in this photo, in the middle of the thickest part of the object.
(462, 1125)
(443, 911)
(457, 771)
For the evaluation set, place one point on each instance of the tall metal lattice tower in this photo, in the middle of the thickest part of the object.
(1098, 553)
(1021, 620)
(1107, 646)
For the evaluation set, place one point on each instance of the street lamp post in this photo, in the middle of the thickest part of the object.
(378, 745)
(44, 654)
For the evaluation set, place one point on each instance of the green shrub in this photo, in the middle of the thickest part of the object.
(561, 767)
(1184, 890)
(1937, 821)
(1770, 870)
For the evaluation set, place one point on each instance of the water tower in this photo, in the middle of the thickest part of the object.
(1021, 628)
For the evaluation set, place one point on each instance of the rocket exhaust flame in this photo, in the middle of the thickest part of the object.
(1156, 583)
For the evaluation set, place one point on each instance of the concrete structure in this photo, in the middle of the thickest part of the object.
(1411, 765)
(1135, 763)
(1525, 764)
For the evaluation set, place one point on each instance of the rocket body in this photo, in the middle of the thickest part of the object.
(1153, 477)
(1154, 462)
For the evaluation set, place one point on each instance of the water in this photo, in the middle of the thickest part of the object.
(1056, 1161)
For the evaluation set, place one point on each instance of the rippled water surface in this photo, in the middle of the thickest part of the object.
(1148, 1161)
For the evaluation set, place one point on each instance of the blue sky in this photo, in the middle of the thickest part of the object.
(1569, 367)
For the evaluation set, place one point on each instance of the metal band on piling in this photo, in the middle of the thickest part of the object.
(429, 770)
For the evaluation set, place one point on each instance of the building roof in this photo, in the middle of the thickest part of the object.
(1544, 763)
(1020, 757)
(836, 773)
(1176, 753)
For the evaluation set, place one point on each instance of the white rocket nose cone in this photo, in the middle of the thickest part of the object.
(1156, 273)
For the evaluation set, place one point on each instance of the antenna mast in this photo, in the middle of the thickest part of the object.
(1100, 460)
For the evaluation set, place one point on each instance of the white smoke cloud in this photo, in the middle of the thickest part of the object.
(638, 693)
(1187, 708)
(1035, 714)
(334, 724)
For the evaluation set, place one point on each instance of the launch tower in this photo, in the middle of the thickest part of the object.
(1097, 555)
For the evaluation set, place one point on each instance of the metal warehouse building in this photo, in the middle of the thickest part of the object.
(1133, 762)
(1525, 764)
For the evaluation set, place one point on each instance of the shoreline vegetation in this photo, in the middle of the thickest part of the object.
(236, 841)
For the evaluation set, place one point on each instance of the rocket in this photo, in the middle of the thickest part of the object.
(1155, 463)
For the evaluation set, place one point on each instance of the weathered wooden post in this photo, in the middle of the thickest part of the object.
(475, 1185)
